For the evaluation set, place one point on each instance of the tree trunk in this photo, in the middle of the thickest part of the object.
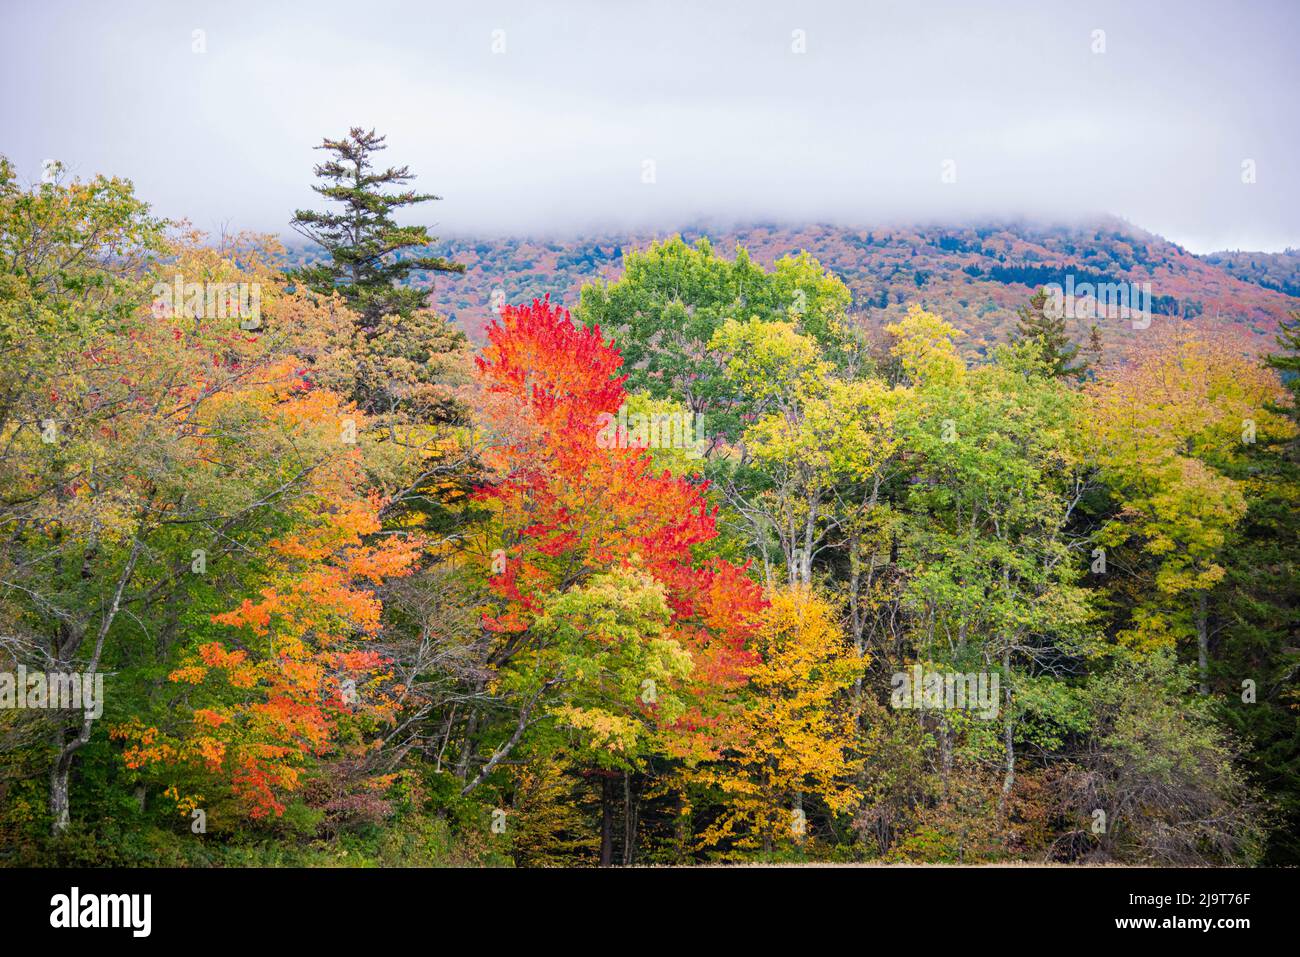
(468, 748)
(945, 752)
(1008, 735)
(629, 819)
(1203, 644)
(60, 802)
(59, 805)
(809, 540)
(606, 820)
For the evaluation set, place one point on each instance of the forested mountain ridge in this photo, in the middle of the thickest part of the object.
(1277, 271)
(974, 275)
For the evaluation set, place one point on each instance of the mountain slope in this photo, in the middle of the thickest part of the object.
(974, 275)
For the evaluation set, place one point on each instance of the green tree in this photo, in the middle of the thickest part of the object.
(1257, 605)
(809, 466)
(1160, 775)
(149, 456)
(1287, 360)
(1036, 323)
(364, 242)
(673, 298)
(996, 475)
(1169, 430)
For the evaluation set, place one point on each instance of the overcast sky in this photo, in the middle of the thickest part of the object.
(554, 133)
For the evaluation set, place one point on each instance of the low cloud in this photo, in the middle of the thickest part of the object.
(654, 115)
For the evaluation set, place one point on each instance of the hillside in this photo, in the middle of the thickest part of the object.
(1279, 271)
(974, 275)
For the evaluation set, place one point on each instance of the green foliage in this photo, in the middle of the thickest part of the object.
(363, 240)
(1163, 771)
(673, 299)
(1038, 325)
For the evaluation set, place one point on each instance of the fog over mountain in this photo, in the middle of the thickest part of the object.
(975, 274)
(529, 121)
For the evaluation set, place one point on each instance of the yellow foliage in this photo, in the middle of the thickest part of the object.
(925, 345)
(796, 726)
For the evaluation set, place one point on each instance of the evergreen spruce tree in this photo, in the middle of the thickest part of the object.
(1287, 360)
(1094, 350)
(1035, 323)
(364, 243)
(1259, 602)
(410, 351)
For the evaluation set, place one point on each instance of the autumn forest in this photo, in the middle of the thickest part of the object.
(696, 568)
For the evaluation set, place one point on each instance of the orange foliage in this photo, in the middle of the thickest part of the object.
(567, 508)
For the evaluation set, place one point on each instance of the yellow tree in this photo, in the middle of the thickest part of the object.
(795, 731)
(1163, 430)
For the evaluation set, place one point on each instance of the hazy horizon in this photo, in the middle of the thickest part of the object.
(540, 124)
(711, 227)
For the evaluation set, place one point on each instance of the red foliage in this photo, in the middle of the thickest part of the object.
(569, 508)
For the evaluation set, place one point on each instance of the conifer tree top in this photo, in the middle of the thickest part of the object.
(367, 248)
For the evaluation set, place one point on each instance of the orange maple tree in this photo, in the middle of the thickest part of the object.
(296, 670)
(304, 668)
